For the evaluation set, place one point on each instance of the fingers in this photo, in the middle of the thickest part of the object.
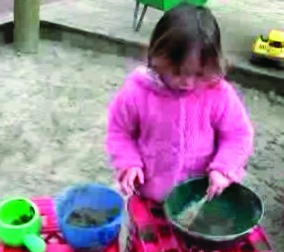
(217, 183)
(124, 186)
(129, 182)
(140, 176)
(213, 191)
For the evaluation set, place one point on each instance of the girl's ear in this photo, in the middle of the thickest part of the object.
(156, 62)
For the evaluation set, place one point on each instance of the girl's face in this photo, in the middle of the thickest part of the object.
(185, 76)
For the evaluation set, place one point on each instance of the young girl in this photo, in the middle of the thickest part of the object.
(178, 118)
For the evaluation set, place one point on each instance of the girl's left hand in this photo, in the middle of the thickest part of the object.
(217, 183)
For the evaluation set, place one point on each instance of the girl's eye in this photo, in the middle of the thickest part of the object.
(183, 71)
(190, 72)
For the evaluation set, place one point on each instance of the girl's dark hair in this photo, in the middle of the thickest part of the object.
(183, 29)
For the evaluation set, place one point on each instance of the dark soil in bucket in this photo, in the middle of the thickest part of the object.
(25, 218)
(88, 217)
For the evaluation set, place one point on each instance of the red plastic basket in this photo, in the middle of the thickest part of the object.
(50, 231)
(150, 232)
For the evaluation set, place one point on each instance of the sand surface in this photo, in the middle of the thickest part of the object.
(52, 126)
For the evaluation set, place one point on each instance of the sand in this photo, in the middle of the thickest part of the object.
(52, 126)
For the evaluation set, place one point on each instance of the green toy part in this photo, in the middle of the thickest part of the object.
(166, 5)
(20, 224)
(163, 5)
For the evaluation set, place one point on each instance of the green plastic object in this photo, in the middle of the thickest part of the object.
(20, 224)
(237, 206)
(166, 5)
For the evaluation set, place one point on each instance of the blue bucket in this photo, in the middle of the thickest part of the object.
(94, 196)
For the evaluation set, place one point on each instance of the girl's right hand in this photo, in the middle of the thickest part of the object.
(130, 179)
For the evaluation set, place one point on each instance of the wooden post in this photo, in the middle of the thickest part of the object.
(26, 25)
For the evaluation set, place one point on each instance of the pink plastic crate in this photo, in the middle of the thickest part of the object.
(50, 232)
(151, 232)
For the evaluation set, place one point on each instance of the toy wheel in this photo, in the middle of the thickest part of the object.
(254, 59)
(281, 64)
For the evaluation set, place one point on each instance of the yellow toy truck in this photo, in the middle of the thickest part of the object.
(270, 48)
